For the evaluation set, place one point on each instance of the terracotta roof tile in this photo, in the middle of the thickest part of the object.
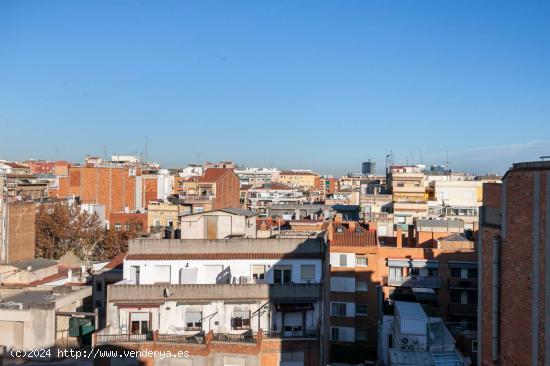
(349, 237)
(116, 262)
(213, 174)
(223, 256)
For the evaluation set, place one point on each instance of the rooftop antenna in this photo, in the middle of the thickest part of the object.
(146, 150)
(105, 152)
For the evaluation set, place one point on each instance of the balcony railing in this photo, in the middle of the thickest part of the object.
(468, 283)
(295, 334)
(463, 309)
(413, 281)
(176, 338)
(121, 338)
(231, 337)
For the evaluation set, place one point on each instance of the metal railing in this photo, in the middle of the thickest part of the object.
(121, 338)
(231, 337)
(177, 338)
(413, 281)
(312, 333)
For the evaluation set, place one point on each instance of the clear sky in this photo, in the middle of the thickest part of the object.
(291, 84)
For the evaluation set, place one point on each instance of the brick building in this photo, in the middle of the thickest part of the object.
(118, 188)
(216, 188)
(367, 277)
(514, 257)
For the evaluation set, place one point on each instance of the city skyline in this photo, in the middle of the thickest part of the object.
(316, 86)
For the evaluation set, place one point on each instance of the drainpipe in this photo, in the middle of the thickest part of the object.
(496, 299)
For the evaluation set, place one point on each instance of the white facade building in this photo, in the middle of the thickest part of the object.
(231, 288)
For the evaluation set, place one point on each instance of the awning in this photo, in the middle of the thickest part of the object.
(293, 307)
(414, 263)
(193, 317)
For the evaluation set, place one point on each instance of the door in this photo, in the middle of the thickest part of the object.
(134, 274)
(139, 323)
(396, 274)
(211, 227)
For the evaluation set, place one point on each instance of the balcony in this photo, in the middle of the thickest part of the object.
(127, 293)
(196, 198)
(312, 333)
(413, 281)
(176, 338)
(463, 309)
(232, 337)
(463, 283)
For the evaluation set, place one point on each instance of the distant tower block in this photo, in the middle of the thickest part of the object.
(368, 167)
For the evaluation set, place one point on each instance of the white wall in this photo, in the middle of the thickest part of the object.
(169, 318)
(233, 268)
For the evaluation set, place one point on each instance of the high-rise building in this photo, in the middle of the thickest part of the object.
(368, 167)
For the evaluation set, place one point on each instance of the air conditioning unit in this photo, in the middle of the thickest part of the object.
(243, 280)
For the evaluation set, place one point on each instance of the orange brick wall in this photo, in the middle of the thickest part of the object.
(21, 230)
(227, 192)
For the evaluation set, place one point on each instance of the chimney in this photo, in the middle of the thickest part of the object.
(399, 238)
(330, 231)
(372, 226)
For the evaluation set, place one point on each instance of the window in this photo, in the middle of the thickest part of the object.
(240, 320)
(360, 334)
(455, 272)
(472, 272)
(433, 272)
(118, 227)
(193, 320)
(361, 285)
(414, 272)
(282, 275)
(361, 309)
(361, 261)
(258, 273)
(99, 286)
(338, 309)
(334, 334)
(343, 260)
(455, 297)
(474, 346)
(307, 272)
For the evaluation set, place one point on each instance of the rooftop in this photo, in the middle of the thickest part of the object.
(34, 263)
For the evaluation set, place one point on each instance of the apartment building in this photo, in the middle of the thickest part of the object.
(442, 277)
(343, 197)
(261, 197)
(162, 214)
(456, 199)
(118, 188)
(257, 176)
(17, 227)
(300, 178)
(353, 337)
(231, 302)
(216, 188)
(409, 197)
(514, 261)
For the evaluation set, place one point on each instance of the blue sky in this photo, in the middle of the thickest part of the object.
(292, 84)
